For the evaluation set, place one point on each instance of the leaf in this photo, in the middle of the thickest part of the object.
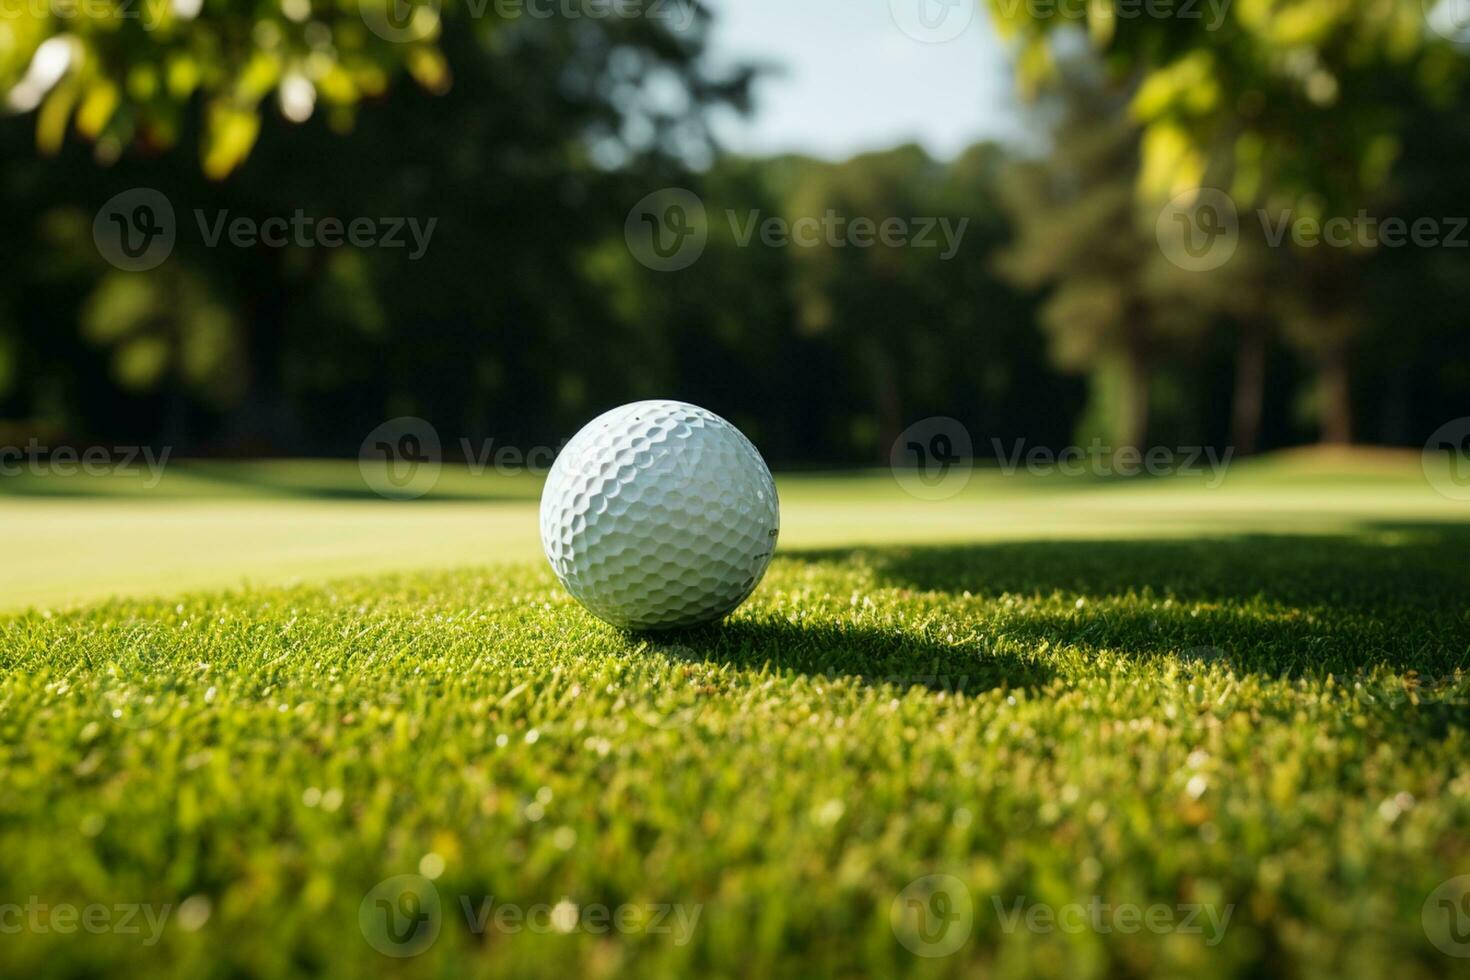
(97, 108)
(1101, 22)
(1171, 162)
(230, 134)
(55, 113)
(428, 66)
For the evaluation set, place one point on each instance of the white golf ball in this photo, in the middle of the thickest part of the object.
(659, 515)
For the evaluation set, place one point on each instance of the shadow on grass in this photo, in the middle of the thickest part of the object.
(1394, 595)
(871, 655)
(1417, 564)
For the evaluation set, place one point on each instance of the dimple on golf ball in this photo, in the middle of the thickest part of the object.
(659, 515)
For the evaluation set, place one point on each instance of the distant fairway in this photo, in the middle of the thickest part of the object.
(1246, 705)
(217, 525)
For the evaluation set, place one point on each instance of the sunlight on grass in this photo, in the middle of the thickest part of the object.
(215, 525)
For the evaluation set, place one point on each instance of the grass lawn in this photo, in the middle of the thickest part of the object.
(956, 738)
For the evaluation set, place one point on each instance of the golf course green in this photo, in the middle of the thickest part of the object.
(1056, 726)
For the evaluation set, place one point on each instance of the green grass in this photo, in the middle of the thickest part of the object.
(1253, 699)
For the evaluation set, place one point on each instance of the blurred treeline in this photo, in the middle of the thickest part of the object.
(1059, 318)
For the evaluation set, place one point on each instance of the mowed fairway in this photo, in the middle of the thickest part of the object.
(1243, 711)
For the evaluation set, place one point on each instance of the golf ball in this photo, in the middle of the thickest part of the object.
(659, 515)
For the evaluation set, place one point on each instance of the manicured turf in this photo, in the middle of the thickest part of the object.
(1247, 707)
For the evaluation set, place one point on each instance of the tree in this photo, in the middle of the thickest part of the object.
(1079, 230)
(1301, 105)
(123, 73)
(528, 164)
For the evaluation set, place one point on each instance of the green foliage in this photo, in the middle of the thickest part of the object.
(1296, 107)
(1112, 310)
(124, 72)
(1302, 100)
(165, 330)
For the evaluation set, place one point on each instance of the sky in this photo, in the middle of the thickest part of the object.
(856, 75)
